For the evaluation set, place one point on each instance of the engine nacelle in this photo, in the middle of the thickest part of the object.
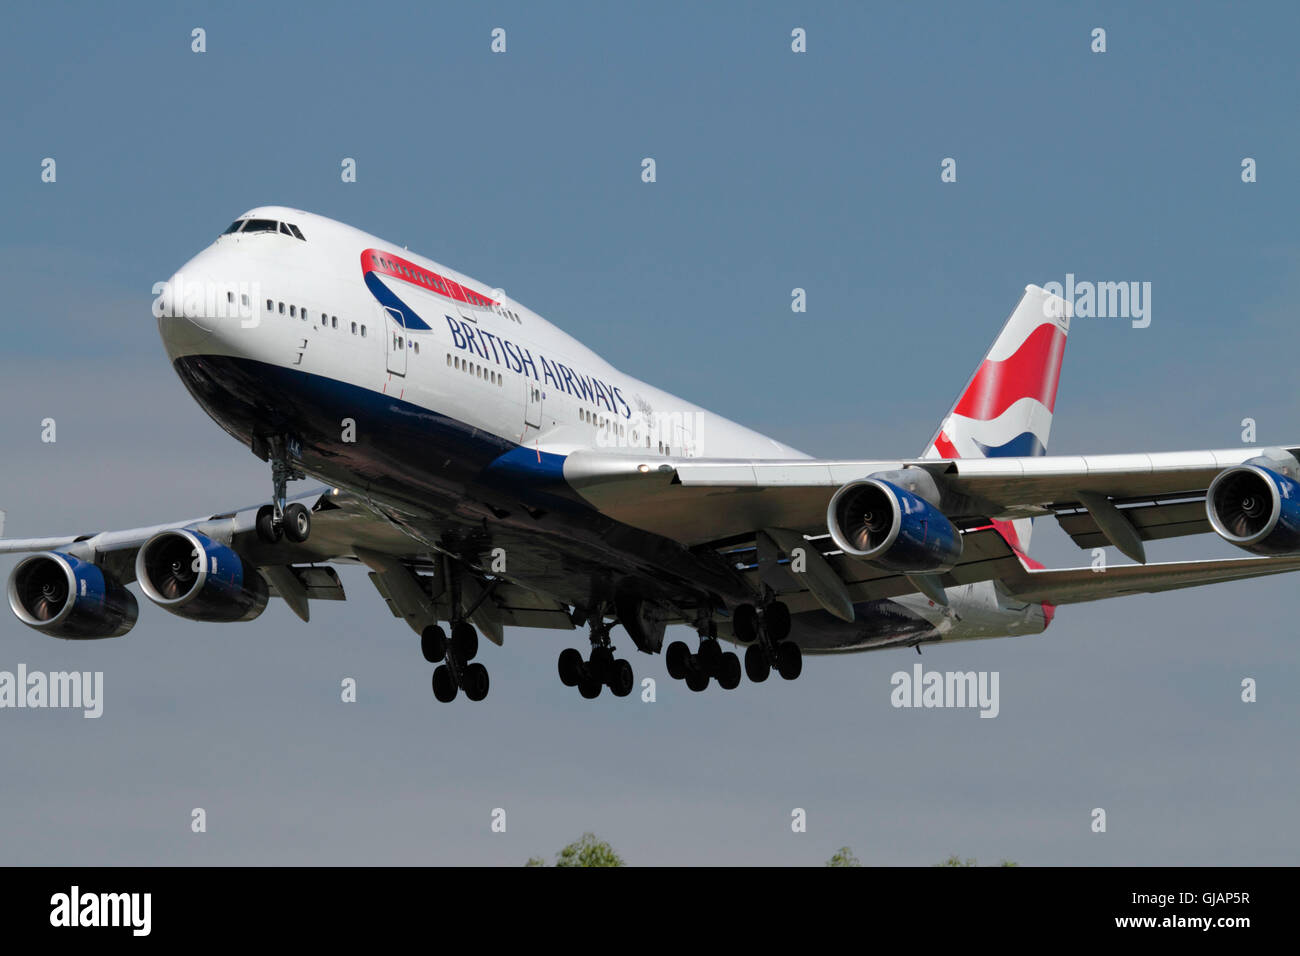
(200, 579)
(66, 597)
(1256, 508)
(875, 520)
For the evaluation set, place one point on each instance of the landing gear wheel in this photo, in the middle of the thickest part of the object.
(789, 660)
(744, 623)
(776, 621)
(267, 527)
(756, 666)
(621, 678)
(710, 656)
(297, 523)
(444, 684)
(476, 682)
(570, 667)
(589, 687)
(677, 657)
(729, 671)
(464, 640)
(697, 680)
(433, 643)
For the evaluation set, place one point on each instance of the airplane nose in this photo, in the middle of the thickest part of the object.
(195, 309)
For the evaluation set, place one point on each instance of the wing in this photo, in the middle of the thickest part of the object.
(698, 501)
(345, 529)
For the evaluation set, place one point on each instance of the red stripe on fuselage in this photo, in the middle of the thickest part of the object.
(1032, 372)
(385, 263)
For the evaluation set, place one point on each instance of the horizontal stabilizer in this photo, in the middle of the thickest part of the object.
(1077, 585)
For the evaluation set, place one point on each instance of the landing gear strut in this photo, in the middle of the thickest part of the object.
(453, 655)
(710, 661)
(602, 669)
(278, 519)
(766, 632)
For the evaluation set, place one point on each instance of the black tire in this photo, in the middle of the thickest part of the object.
(589, 687)
(729, 671)
(267, 529)
(697, 680)
(570, 667)
(744, 623)
(776, 619)
(444, 684)
(789, 660)
(476, 681)
(433, 643)
(621, 678)
(756, 666)
(297, 523)
(710, 657)
(677, 657)
(464, 640)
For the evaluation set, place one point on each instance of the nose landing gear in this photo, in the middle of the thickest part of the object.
(277, 519)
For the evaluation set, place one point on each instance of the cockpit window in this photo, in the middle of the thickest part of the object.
(234, 227)
(285, 229)
(297, 232)
(260, 225)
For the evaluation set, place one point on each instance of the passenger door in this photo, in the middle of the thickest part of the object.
(397, 345)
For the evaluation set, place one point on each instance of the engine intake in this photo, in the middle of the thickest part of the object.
(66, 597)
(199, 579)
(875, 520)
(1255, 508)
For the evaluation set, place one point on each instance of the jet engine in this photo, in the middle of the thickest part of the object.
(1256, 506)
(200, 579)
(877, 521)
(66, 597)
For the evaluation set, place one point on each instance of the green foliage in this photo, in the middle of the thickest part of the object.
(585, 851)
(958, 861)
(843, 857)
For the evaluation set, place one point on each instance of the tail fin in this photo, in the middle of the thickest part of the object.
(1006, 408)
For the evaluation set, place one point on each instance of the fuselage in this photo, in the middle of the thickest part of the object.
(452, 407)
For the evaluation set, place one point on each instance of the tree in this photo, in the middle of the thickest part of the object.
(957, 861)
(843, 857)
(587, 850)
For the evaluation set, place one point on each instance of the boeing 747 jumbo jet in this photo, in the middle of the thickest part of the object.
(491, 472)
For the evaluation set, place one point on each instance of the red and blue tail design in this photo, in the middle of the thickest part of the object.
(1006, 408)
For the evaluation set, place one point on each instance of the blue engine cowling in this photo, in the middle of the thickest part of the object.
(199, 579)
(875, 520)
(1255, 508)
(66, 597)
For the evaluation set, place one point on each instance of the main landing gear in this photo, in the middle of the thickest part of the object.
(277, 519)
(766, 633)
(710, 661)
(601, 669)
(454, 672)
(453, 656)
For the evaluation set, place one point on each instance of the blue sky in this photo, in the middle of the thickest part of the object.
(775, 171)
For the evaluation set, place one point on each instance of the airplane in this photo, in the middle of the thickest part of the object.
(490, 471)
